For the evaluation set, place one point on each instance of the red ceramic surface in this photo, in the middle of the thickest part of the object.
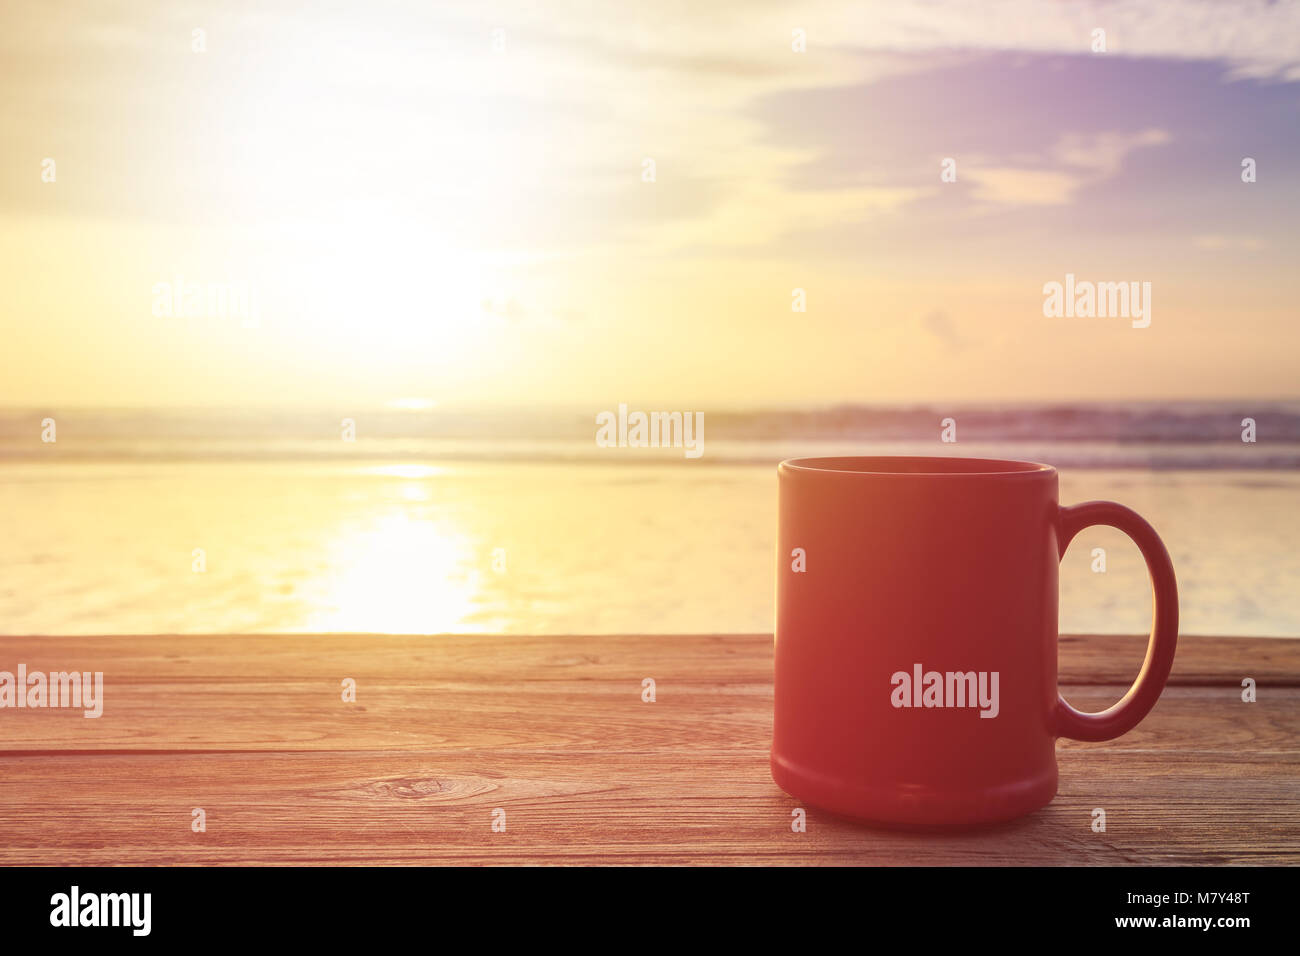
(916, 636)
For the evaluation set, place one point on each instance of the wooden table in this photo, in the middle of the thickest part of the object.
(553, 731)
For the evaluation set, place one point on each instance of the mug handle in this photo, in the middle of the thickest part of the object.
(1124, 715)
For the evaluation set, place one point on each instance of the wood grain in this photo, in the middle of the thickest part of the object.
(553, 731)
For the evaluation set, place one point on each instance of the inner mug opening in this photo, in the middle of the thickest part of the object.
(903, 465)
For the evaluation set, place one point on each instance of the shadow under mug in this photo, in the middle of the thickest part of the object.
(916, 616)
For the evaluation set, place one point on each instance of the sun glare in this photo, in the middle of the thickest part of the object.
(412, 404)
(399, 576)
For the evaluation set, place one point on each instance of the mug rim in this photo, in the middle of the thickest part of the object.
(861, 465)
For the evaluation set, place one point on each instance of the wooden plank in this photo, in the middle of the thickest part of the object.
(278, 712)
(718, 807)
(554, 730)
(549, 715)
(717, 658)
(266, 693)
(1117, 658)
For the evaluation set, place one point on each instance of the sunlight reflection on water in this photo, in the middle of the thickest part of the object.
(622, 548)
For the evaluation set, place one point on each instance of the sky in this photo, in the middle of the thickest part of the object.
(567, 203)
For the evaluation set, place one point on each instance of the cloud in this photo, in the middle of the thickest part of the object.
(1223, 243)
(939, 324)
(536, 150)
(1022, 187)
(1092, 158)
(1102, 154)
(1255, 38)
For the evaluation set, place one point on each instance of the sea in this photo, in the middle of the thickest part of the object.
(414, 518)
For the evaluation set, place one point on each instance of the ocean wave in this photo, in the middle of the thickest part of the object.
(1150, 436)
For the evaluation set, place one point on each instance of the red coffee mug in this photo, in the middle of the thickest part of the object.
(916, 607)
